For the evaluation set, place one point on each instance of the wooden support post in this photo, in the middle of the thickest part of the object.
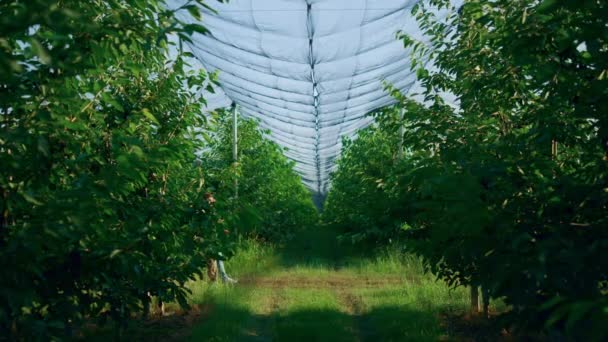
(553, 149)
(211, 270)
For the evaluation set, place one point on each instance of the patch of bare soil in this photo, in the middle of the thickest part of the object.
(173, 326)
(261, 326)
(354, 306)
(352, 303)
(177, 326)
(320, 283)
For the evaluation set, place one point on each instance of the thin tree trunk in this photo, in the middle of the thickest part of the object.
(212, 270)
(474, 300)
(485, 302)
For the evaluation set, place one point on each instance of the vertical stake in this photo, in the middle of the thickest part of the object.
(401, 133)
(235, 157)
(553, 149)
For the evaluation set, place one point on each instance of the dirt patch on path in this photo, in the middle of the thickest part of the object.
(332, 282)
(261, 325)
(356, 309)
(177, 325)
(352, 303)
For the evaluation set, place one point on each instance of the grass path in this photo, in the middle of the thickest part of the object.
(317, 290)
(314, 289)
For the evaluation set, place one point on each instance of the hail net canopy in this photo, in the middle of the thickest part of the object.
(309, 70)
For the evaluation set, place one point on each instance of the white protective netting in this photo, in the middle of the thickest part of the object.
(309, 70)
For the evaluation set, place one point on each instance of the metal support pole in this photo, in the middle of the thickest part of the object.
(401, 133)
(235, 157)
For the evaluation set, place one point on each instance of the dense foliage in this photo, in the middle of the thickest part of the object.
(359, 205)
(509, 190)
(101, 199)
(272, 202)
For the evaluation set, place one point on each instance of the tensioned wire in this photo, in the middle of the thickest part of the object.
(315, 91)
(317, 10)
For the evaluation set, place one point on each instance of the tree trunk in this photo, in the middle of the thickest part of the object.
(212, 270)
(485, 302)
(474, 300)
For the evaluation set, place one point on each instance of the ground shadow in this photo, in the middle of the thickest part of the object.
(391, 323)
(227, 322)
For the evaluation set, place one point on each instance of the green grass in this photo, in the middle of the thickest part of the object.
(317, 290)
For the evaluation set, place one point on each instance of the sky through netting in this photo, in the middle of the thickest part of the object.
(310, 71)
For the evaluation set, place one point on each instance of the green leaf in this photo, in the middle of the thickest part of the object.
(146, 112)
(194, 11)
(29, 197)
(40, 51)
(191, 28)
(547, 5)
